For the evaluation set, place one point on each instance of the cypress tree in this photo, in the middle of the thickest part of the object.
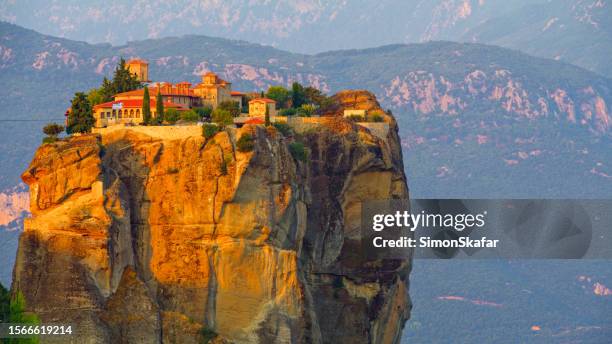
(146, 107)
(159, 108)
(267, 115)
(298, 96)
(81, 118)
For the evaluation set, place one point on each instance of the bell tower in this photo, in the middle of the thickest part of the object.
(140, 68)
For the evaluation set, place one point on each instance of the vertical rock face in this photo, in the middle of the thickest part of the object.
(139, 236)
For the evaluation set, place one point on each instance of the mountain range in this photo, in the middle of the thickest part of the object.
(575, 31)
(475, 120)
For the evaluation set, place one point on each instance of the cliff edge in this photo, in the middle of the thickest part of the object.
(138, 235)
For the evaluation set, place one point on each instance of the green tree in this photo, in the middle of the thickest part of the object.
(80, 119)
(298, 96)
(245, 143)
(146, 106)
(314, 96)
(268, 123)
(189, 116)
(231, 106)
(209, 130)
(280, 94)
(95, 97)
(123, 80)
(5, 301)
(306, 110)
(52, 130)
(222, 117)
(298, 151)
(18, 314)
(106, 91)
(159, 108)
(284, 128)
(172, 115)
(204, 111)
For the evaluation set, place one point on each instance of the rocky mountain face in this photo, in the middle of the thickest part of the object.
(575, 31)
(158, 234)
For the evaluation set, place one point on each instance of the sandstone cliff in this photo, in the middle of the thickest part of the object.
(160, 235)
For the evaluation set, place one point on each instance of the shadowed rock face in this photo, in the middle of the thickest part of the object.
(138, 237)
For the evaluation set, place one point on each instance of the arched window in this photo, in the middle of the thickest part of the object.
(137, 113)
(132, 113)
(114, 113)
(120, 113)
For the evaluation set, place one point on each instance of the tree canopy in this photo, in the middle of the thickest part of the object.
(80, 119)
(159, 108)
(230, 106)
(53, 129)
(298, 96)
(222, 117)
(122, 81)
(280, 94)
(146, 106)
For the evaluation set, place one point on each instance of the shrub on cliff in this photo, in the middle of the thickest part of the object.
(222, 117)
(207, 334)
(356, 118)
(12, 310)
(298, 151)
(209, 130)
(53, 129)
(376, 118)
(284, 128)
(246, 143)
(5, 300)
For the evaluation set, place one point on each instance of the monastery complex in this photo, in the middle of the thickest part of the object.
(126, 107)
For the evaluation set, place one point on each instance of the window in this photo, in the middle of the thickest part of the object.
(137, 113)
(120, 113)
(132, 113)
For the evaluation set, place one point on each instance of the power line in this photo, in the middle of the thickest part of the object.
(32, 120)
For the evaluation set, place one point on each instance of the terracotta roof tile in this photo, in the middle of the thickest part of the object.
(262, 100)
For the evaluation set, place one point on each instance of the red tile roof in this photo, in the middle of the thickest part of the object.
(262, 100)
(165, 91)
(236, 93)
(255, 121)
